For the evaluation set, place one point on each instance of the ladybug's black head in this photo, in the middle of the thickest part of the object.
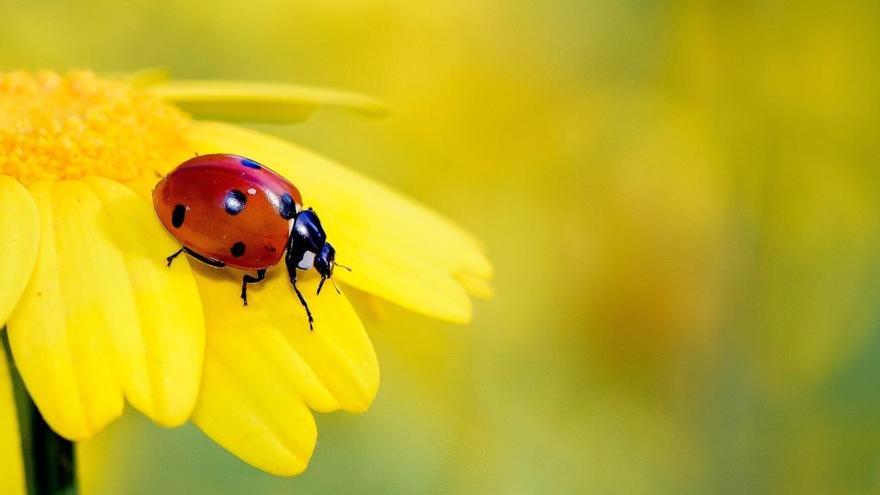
(324, 263)
(325, 260)
(307, 247)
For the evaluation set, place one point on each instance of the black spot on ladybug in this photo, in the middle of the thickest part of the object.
(178, 216)
(235, 201)
(237, 249)
(247, 162)
(286, 207)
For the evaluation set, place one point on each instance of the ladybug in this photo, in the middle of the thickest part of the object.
(228, 210)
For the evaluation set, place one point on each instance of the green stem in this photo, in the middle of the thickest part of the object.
(49, 460)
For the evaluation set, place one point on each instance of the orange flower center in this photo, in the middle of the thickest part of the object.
(76, 125)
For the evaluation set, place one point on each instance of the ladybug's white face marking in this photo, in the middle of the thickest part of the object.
(307, 261)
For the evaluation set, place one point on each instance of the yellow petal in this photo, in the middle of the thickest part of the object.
(19, 224)
(76, 333)
(58, 331)
(399, 250)
(11, 465)
(164, 384)
(260, 102)
(143, 188)
(263, 366)
(368, 306)
(476, 286)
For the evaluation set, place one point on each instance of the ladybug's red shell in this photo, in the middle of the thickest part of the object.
(228, 209)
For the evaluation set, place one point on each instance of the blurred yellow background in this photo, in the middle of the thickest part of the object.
(680, 198)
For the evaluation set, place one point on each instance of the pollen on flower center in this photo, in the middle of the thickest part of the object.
(56, 126)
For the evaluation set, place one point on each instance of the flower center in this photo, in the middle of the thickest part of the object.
(78, 125)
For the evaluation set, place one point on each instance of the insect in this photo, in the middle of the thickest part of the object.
(228, 210)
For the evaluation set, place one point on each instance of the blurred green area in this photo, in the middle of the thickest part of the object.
(681, 200)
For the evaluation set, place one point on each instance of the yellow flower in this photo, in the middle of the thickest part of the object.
(94, 316)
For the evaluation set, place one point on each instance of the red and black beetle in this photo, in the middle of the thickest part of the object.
(228, 210)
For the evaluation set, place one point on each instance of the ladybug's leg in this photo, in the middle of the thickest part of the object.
(207, 261)
(294, 254)
(171, 258)
(247, 279)
(303, 301)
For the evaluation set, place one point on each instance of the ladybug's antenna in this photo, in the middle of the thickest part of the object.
(324, 279)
